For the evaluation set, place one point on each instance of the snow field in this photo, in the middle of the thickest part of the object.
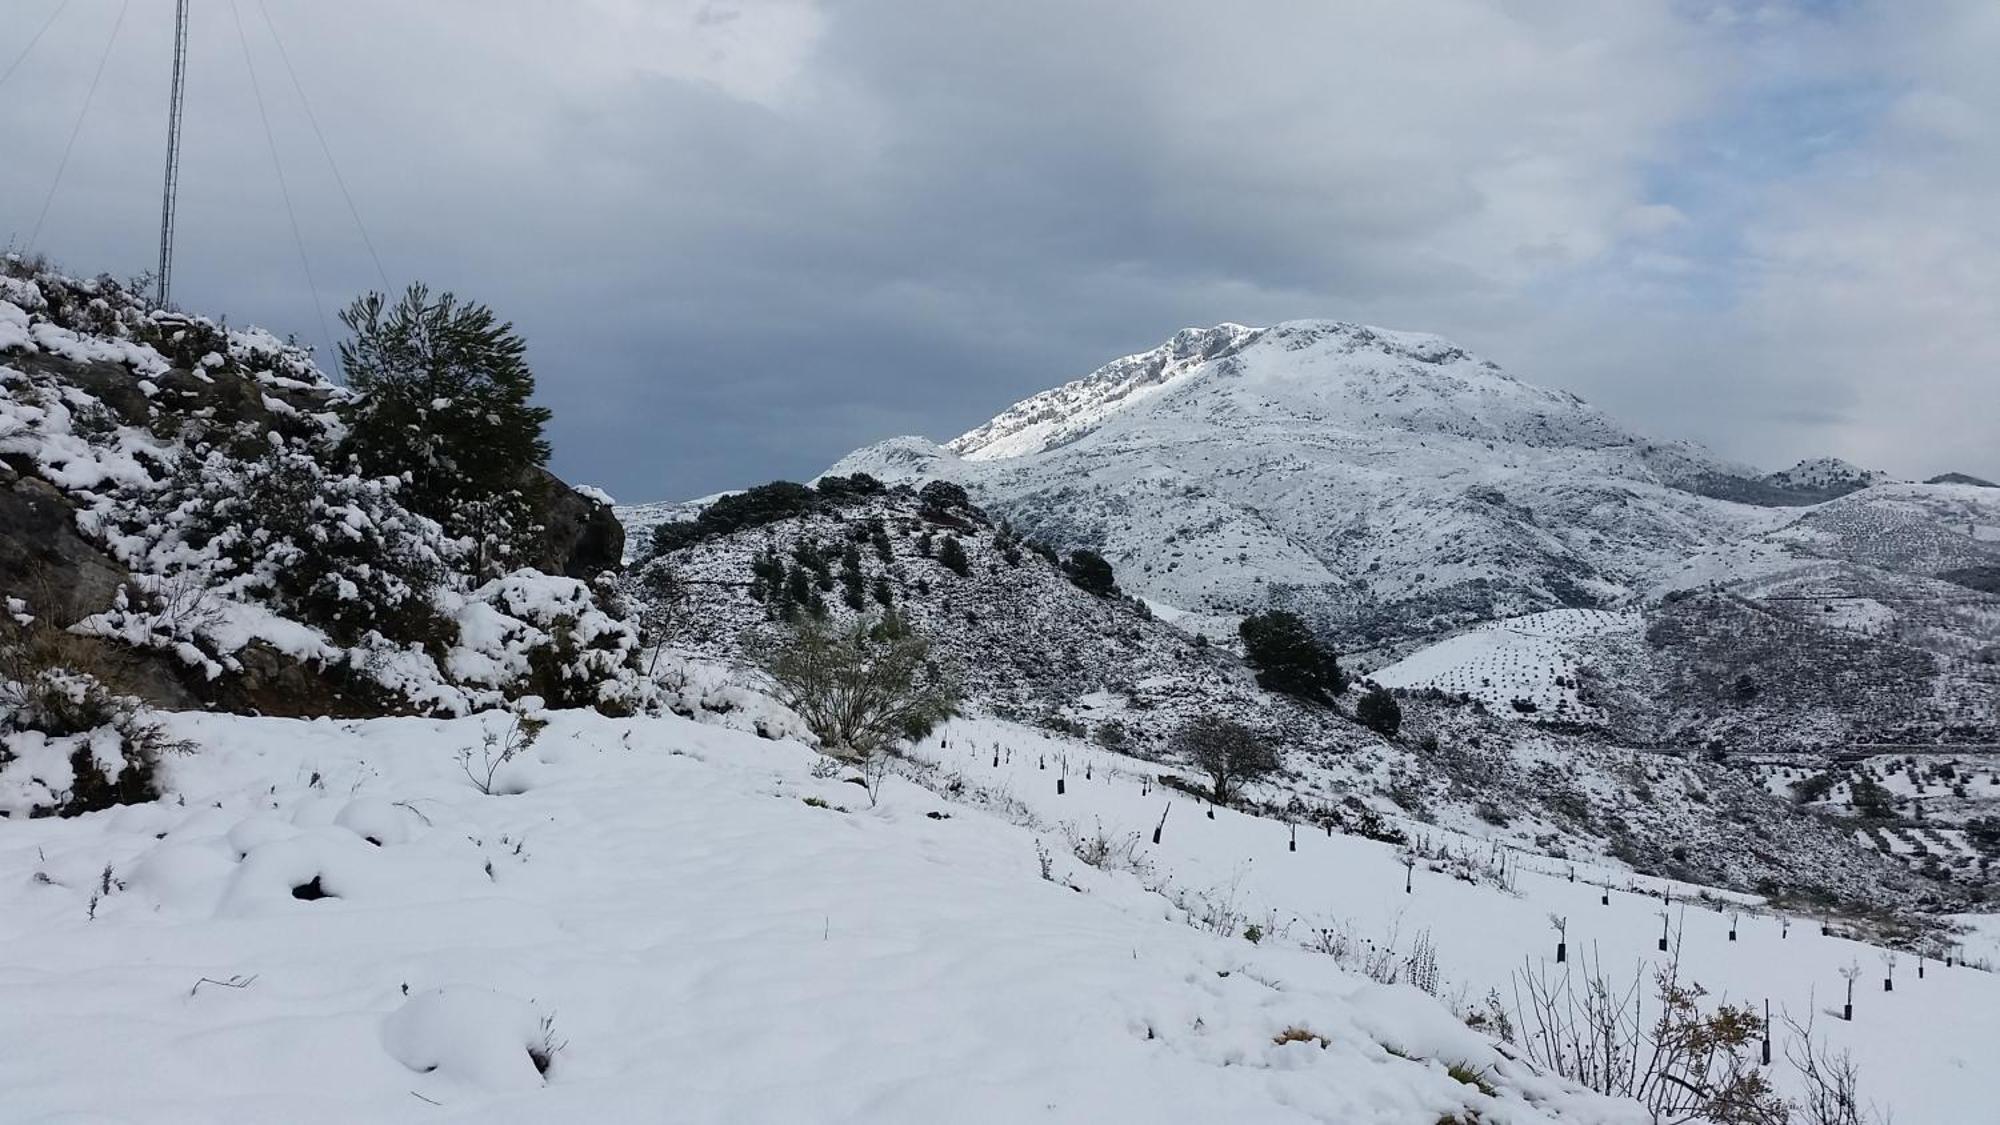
(1518, 658)
(329, 923)
(1922, 1049)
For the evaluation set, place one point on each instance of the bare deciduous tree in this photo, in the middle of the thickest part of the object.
(1228, 752)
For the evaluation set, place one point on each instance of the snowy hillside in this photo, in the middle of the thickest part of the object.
(1521, 666)
(1398, 491)
(328, 921)
(1487, 912)
(1025, 642)
(1019, 636)
(182, 517)
(1389, 484)
(1867, 619)
(332, 924)
(1826, 475)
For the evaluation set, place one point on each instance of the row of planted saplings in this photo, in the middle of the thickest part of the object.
(1410, 860)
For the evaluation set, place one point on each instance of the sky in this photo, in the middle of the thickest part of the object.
(743, 237)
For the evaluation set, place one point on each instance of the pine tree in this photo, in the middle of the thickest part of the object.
(1091, 572)
(1288, 657)
(852, 588)
(444, 389)
(1379, 712)
(951, 554)
(878, 536)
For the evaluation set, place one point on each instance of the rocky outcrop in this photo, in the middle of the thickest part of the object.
(43, 559)
(581, 536)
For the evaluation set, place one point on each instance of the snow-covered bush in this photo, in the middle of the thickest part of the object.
(334, 550)
(249, 539)
(538, 634)
(68, 744)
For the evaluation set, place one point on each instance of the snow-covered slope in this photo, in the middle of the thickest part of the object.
(1026, 642)
(1016, 633)
(1530, 665)
(180, 493)
(663, 921)
(1390, 483)
(1489, 911)
(658, 919)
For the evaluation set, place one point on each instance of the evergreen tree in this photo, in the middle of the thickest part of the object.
(1379, 712)
(767, 575)
(941, 496)
(878, 536)
(852, 589)
(444, 389)
(951, 554)
(1288, 658)
(1091, 572)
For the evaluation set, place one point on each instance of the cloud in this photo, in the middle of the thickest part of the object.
(1874, 270)
(743, 238)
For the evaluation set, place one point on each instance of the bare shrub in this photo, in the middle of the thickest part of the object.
(1106, 852)
(1828, 1079)
(1684, 1061)
(482, 764)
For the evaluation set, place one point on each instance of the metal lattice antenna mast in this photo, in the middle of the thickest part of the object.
(172, 188)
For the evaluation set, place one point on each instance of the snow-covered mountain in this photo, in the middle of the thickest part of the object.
(1025, 642)
(1391, 484)
(1399, 491)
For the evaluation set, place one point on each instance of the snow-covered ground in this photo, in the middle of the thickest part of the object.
(685, 923)
(700, 925)
(1922, 1049)
(1532, 658)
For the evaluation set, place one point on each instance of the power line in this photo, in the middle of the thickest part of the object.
(76, 129)
(284, 191)
(29, 49)
(312, 118)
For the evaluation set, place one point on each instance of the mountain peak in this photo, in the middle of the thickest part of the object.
(1055, 417)
(1330, 373)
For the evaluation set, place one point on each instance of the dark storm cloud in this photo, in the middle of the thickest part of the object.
(744, 239)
